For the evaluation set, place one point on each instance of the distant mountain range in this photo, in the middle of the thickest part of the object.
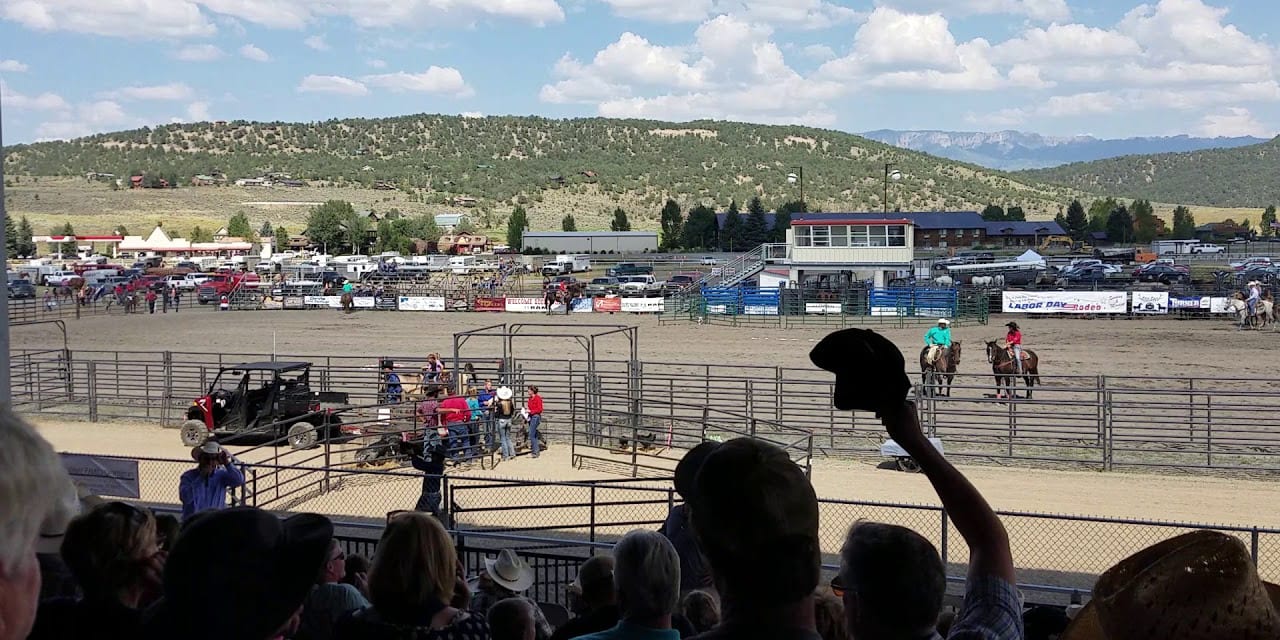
(1017, 150)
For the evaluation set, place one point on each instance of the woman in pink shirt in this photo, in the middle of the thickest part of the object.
(1014, 341)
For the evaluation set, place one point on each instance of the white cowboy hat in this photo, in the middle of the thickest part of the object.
(505, 393)
(510, 571)
(943, 321)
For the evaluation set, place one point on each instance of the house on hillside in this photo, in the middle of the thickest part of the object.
(463, 243)
(253, 182)
(449, 221)
(207, 180)
(463, 201)
(1221, 231)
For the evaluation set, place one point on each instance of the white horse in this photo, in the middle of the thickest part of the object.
(944, 281)
(987, 281)
(1265, 312)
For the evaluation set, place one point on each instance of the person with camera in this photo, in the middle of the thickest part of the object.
(205, 487)
(428, 457)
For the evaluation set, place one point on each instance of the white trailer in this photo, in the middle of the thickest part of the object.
(1175, 247)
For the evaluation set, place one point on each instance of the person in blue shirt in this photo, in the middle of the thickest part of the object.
(205, 487)
(393, 390)
(937, 339)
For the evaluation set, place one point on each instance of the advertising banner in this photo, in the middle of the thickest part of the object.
(423, 303)
(1065, 302)
(606, 305)
(1189, 303)
(526, 305)
(581, 305)
(335, 302)
(760, 309)
(490, 304)
(1219, 305)
(104, 476)
(644, 305)
(822, 307)
(1151, 302)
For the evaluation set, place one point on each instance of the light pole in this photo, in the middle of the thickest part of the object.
(798, 177)
(889, 174)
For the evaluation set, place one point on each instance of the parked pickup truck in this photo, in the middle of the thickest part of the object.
(628, 269)
(677, 283)
(640, 286)
(603, 287)
(220, 284)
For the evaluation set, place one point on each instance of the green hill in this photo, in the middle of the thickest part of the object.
(1239, 177)
(592, 164)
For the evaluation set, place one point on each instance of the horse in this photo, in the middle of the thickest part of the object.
(348, 302)
(1262, 316)
(944, 369)
(1002, 366)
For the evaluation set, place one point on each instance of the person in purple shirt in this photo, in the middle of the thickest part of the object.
(205, 487)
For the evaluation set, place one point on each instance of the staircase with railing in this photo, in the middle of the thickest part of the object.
(743, 266)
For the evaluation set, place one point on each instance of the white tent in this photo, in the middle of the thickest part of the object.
(1030, 256)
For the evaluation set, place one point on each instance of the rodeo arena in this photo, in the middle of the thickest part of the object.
(539, 417)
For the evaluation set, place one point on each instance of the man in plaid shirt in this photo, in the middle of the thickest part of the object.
(893, 580)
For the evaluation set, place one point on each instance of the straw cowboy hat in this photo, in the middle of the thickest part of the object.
(944, 321)
(509, 570)
(209, 448)
(1197, 586)
(505, 393)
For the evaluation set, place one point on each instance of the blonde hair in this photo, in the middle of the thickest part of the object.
(415, 565)
(32, 482)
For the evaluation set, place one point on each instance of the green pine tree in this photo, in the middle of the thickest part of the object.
(755, 229)
(671, 222)
(620, 222)
(1184, 224)
(516, 225)
(731, 234)
(567, 223)
(1077, 221)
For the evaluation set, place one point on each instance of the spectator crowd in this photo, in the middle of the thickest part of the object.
(739, 559)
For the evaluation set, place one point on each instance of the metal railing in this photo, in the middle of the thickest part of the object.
(1055, 555)
(1095, 422)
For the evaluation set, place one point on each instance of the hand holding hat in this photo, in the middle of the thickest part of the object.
(870, 371)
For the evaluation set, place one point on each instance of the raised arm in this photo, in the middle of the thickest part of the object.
(231, 475)
(989, 553)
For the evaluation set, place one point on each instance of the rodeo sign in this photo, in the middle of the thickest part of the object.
(1065, 302)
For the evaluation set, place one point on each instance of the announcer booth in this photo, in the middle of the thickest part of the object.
(837, 249)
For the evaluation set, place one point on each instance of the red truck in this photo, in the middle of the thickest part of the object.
(223, 284)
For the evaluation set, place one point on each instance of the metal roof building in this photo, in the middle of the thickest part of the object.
(592, 241)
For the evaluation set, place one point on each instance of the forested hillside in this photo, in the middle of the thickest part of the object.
(1241, 177)
(503, 161)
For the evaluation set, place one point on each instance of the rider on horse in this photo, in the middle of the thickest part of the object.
(1013, 341)
(1255, 296)
(937, 339)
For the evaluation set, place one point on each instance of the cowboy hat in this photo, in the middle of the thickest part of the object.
(943, 321)
(1196, 586)
(505, 393)
(257, 567)
(870, 371)
(209, 448)
(510, 571)
(1011, 325)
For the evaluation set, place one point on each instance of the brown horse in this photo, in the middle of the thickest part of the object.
(932, 376)
(348, 302)
(1002, 366)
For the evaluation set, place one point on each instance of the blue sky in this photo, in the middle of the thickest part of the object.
(1060, 67)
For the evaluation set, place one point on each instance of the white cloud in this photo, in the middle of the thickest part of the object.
(1037, 10)
(820, 52)
(332, 84)
(20, 102)
(89, 118)
(892, 40)
(1065, 42)
(721, 74)
(376, 63)
(804, 14)
(316, 42)
(277, 14)
(440, 80)
(139, 19)
(198, 112)
(12, 66)
(199, 53)
(171, 91)
(1190, 31)
(251, 52)
(1233, 122)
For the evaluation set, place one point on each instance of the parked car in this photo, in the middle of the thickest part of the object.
(1164, 274)
(21, 288)
(1247, 263)
(676, 284)
(709, 261)
(628, 269)
(639, 285)
(1091, 274)
(602, 286)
